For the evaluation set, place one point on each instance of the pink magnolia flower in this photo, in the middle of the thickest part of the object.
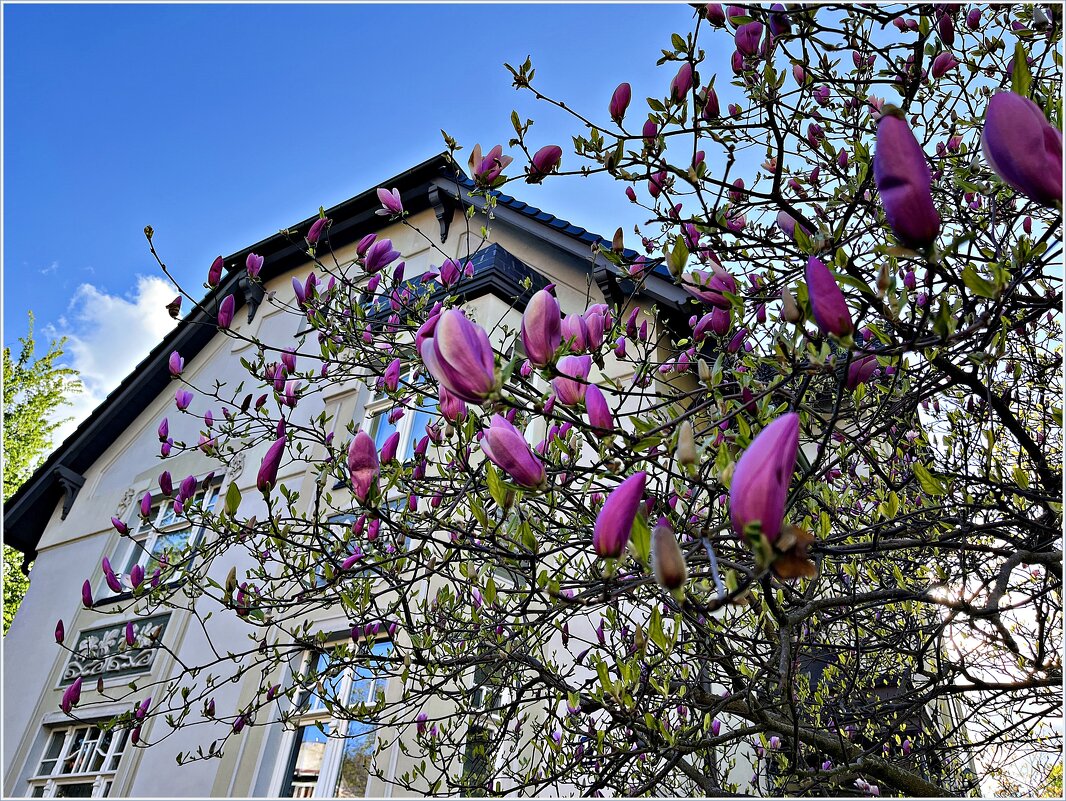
(506, 448)
(747, 38)
(904, 183)
(1023, 148)
(761, 478)
(828, 305)
(390, 202)
(458, 355)
(572, 382)
(225, 311)
(599, 413)
(254, 264)
(614, 523)
(943, 63)
(268, 470)
(318, 227)
(545, 161)
(486, 170)
(214, 273)
(363, 465)
(620, 102)
(681, 85)
(541, 328)
(709, 287)
(175, 364)
(667, 560)
(71, 696)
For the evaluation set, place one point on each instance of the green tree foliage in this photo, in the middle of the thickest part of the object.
(34, 388)
(1053, 786)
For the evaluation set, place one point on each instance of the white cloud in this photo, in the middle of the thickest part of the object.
(107, 335)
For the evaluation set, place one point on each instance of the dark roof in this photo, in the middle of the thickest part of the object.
(495, 271)
(27, 512)
(547, 218)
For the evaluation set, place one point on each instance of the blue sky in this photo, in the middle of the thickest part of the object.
(220, 124)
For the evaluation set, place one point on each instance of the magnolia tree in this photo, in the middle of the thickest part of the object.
(809, 544)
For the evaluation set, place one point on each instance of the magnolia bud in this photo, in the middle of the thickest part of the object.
(668, 563)
(790, 311)
(704, 371)
(884, 279)
(686, 445)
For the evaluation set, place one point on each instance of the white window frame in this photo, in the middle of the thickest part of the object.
(144, 534)
(325, 785)
(102, 779)
(379, 404)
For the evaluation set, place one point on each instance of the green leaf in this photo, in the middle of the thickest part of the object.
(605, 677)
(855, 283)
(976, 284)
(640, 539)
(1021, 478)
(655, 631)
(233, 498)
(479, 512)
(930, 484)
(1021, 79)
(496, 486)
(803, 240)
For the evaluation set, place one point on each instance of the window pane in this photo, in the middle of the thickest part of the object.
(51, 754)
(356, 758)
(153, 516)
(136, 555)
(79, 790)
(380, 428)
(117, 748)
(309, 750)
(173, 541)
(38, 791)
(169, 516)
(73, 751)
(331, 685)
(426, 412)
(95, 758)
(86, 752)
(369, 679)
(477, 762)
(211, 498)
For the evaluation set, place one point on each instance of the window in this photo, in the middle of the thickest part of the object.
(331, 756)
(388, 542)
(163, 538)
(79, 762)
(412, 426)
(490, 697)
